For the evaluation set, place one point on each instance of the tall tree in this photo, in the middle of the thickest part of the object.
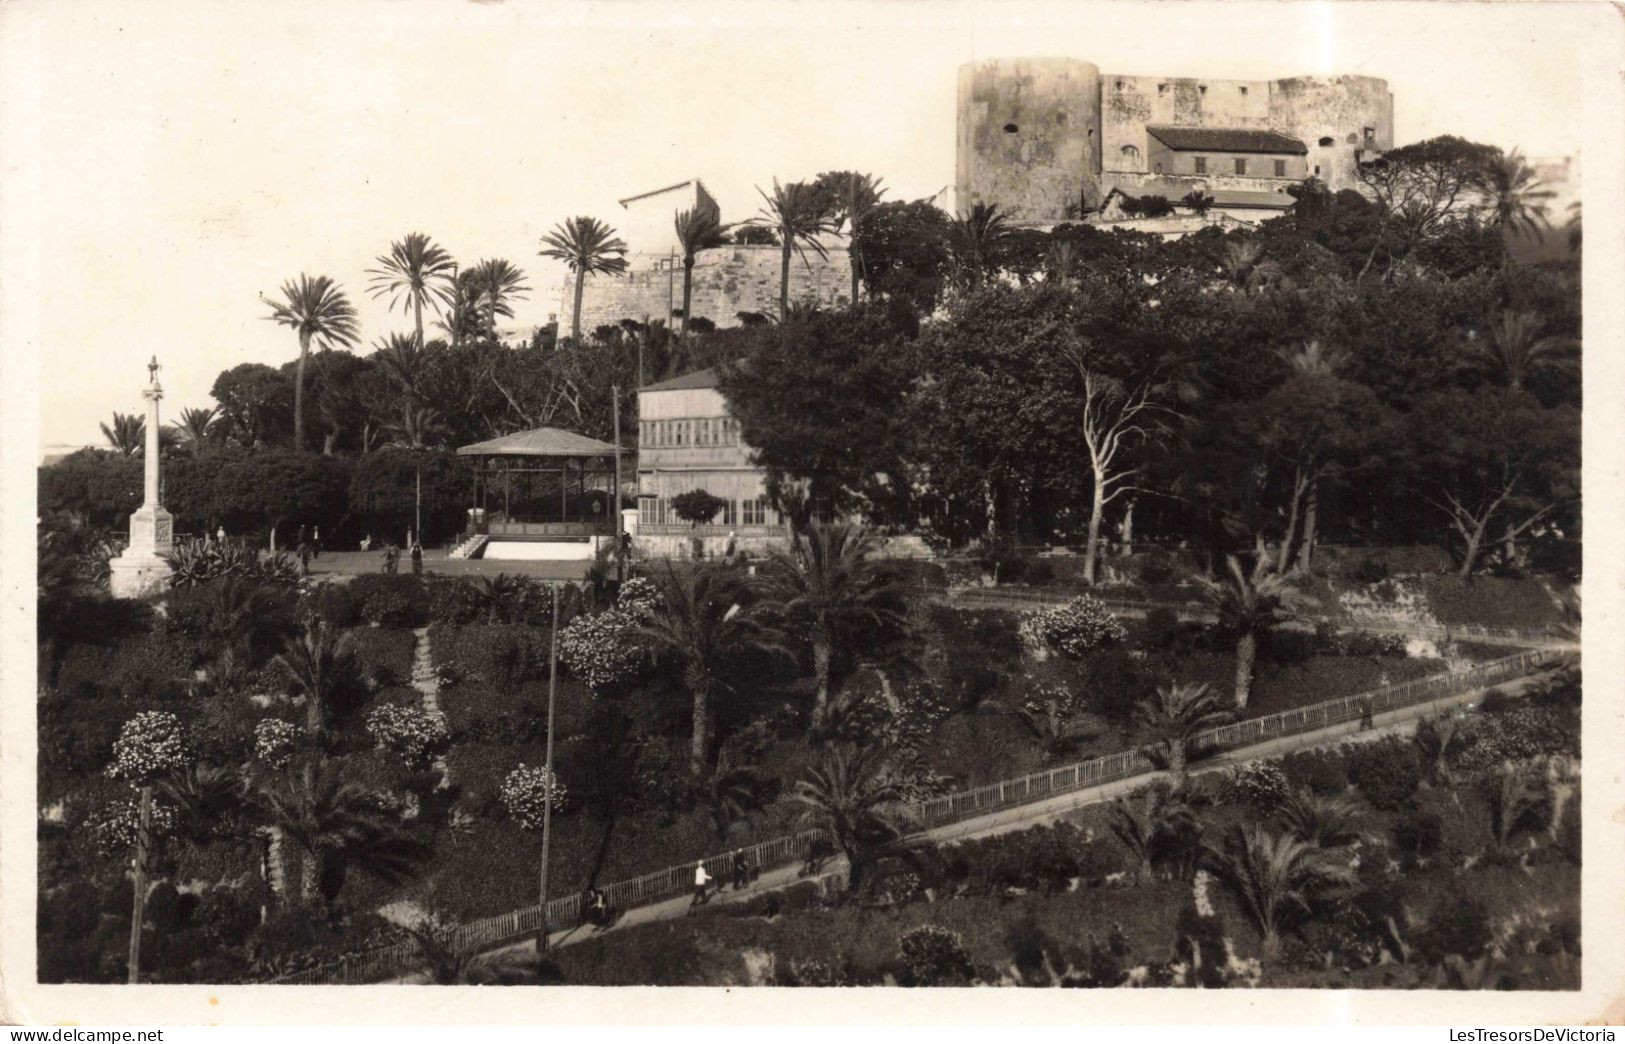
(317, 310)
(797, 213)
(1518, 199)
(318, 663)
(196, 427)
(586, 245)
(831, 591)
(976, 241)
(853, 795)
(128, 433)
(1275, 877)
(1171, 721)
(698, 623)
(697, 230)
(416, 271)
(1248, 602)
(854, 197)
(499, 283)
(1518, 348)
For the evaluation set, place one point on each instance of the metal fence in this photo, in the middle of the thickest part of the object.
(517, 925)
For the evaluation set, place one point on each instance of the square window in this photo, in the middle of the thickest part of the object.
(1241, 166)
(1371, 134)
(1162, 88)
(1244, 90)
(1201, 164)
(1280, 168)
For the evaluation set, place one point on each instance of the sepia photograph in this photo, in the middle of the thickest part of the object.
(889, 496)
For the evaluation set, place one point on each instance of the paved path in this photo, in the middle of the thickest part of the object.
(1399, 721)
(427, 683)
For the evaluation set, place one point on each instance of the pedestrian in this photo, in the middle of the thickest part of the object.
(598, 908)
(304, 558)
(733, 546)
(741, 869)
(701, 880)
(303, 537)
(220, 534)
(1366, 715)
(417, 558)
(392, 557)
(316, 543)
(626, 545)
(366, 542)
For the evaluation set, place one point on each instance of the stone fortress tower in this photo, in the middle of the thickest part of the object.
(1048, 139)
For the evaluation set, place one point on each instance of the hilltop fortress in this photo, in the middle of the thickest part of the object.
(1048, 140)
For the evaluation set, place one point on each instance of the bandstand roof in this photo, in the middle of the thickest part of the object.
(539, 442)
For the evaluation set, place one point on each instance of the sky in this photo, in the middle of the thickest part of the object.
(167, 164)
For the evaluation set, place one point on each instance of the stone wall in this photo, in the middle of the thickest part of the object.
(1029, 138)
(727, 281)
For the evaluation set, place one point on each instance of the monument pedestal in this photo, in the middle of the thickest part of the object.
(141, 570)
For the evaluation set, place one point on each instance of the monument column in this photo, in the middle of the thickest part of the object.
(142, 570)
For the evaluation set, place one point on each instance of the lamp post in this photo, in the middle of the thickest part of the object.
(547, 805)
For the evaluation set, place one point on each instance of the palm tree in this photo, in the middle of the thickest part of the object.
(1574, 226)
(1248, 603)
(207, 800)
(1241, 257)
(128, 435)
(697, 230)
(829, 589)
(1276, 877)
(586, 245)
(1325, 821)
(498, 283)
(976, 240)
(495, 594)
(1315, 360)
(316, 662)
(1518, 199)
(1518, 803)
(1433, 739)
(699, 624)
(1516, 349)
(338, 826)
(319, 312)
(796, 213)
(1171, 720)
(853, 796)
(196, 426)
(402, 360)
(1143, 825)
(462, 318)
(416, 270)
(858, 195)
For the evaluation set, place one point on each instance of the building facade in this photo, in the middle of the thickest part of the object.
(1050, 139)
(686, 441)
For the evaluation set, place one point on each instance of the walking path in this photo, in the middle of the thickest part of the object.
(427, 683)
(1398, 721)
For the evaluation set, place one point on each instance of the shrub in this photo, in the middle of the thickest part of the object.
(1073, 629)
(1460, 927)
(113, 827)
(335, 604)
(1369, 569)
(150, 745)
(454, 602)
(1162, 628)
(391, 601)
(602, 649)
(1419, 833)
(413, 734)
(1322, 771)
(697, 506)
(274, 741)
(1387, 771)
(1039, 573)
(934, 956)
(527, 790)
(1260, 785)
(1116, 683)
(1285, 646)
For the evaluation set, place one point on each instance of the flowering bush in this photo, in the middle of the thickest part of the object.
(114, 826)
(1261, 785)
(935, 956)
(151, 744)
(527, 791)
(274, 741)
(601, 648)
(1073, 629)
(412, 734)
(638, 597)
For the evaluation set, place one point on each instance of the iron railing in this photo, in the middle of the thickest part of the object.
(517, 925)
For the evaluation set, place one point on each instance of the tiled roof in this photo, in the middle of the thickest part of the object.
(1226, 139)
(662, 191)
(539, 442)
(706, 378)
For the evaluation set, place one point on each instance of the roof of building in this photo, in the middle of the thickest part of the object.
(1226, 139)
(706, 378)
(539, 442)
(662, 191)
(1175, 188)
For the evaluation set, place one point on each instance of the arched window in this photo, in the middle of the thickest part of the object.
(1327, 142)
(1131, 152)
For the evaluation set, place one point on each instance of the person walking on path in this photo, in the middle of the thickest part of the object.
(366, 542)
(392, 557)
(741, 870)
(701, 881)
(316, 543)
(1366, 722)
(417, 558)
(304, 558)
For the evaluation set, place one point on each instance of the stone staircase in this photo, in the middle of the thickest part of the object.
(471, 547)
(427, 683)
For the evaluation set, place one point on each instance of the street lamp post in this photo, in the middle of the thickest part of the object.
(547, 805)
